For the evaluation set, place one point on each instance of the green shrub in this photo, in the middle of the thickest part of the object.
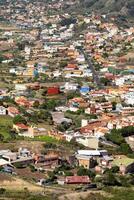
(32, 168)
(2, 190)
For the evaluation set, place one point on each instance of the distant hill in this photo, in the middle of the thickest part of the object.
(123, 10)
(123, 7)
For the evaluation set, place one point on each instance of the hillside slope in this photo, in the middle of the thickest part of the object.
(123, 7)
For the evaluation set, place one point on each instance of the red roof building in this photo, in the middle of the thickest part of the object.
(109, 76)
(77, 180)
(91, 127)
(8, 55)
(22, 126)
(72, 66)
(53, 91)
(12, 111)
(22, 101)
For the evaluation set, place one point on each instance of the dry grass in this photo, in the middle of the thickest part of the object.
(122, 160)
(16, 184)
(80, 195)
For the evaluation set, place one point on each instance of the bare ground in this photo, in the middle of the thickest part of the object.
(18, 184)
(79, 195)
(34, 146)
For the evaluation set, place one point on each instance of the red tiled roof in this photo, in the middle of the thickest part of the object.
(53, 90)
(22, 126)
(22, 101)
(77, 179)
(8, 55)
(77, 100)
(72, 66)
(105, 91)
(91, 127)
(13, 110)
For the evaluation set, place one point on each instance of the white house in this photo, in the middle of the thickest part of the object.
(93, 152)
(2, 110)
(27, 50)
(20, 87)
(71, 86)
(84, 122)
(12, 70)
(56, 73)
(129, 98)
(61, 108)
(120, 81)
(73, 109)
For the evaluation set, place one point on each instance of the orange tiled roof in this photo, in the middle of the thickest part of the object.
(13, 110)
(22, 126)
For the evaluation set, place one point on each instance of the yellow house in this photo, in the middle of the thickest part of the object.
(85, 161)
(29, 71)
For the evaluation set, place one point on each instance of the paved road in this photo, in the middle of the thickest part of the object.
(91, 66)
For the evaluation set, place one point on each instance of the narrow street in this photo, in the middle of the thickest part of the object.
(90, 64)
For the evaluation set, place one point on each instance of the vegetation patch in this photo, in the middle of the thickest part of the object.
(6, 124)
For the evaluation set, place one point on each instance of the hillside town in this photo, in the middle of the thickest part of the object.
(66, 97)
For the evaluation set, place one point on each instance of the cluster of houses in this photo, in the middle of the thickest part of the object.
(96, 160)
(53, 50)
(106, 44)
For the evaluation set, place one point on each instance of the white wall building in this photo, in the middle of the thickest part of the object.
(20, 87)
(2, 110)
(91, 142)
(129, 98)
(71, 86)
(120, 81)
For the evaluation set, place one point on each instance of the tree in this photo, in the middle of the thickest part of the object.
(110, 179)
(67, 21)
(63, 126)
(64, 168)
(1, 137)
(44, 77)
(68, 173)
(19, 119)
(127, 131)
(105, 55)
(21, 45)
(76, 144)
(2, 190)
(105, 81)
(114, 169)
(36, 104)
(44, 115)
(50, 104)
(33, 117)
(50, 145)
(114, 105)
(36, 65)
(115, 136)
(1, 59)
(71, 95)
(32, 168)
(52, 176)
(85, 172)
(125, 181)
(125, 149)
(62, 64)
(19, 165)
